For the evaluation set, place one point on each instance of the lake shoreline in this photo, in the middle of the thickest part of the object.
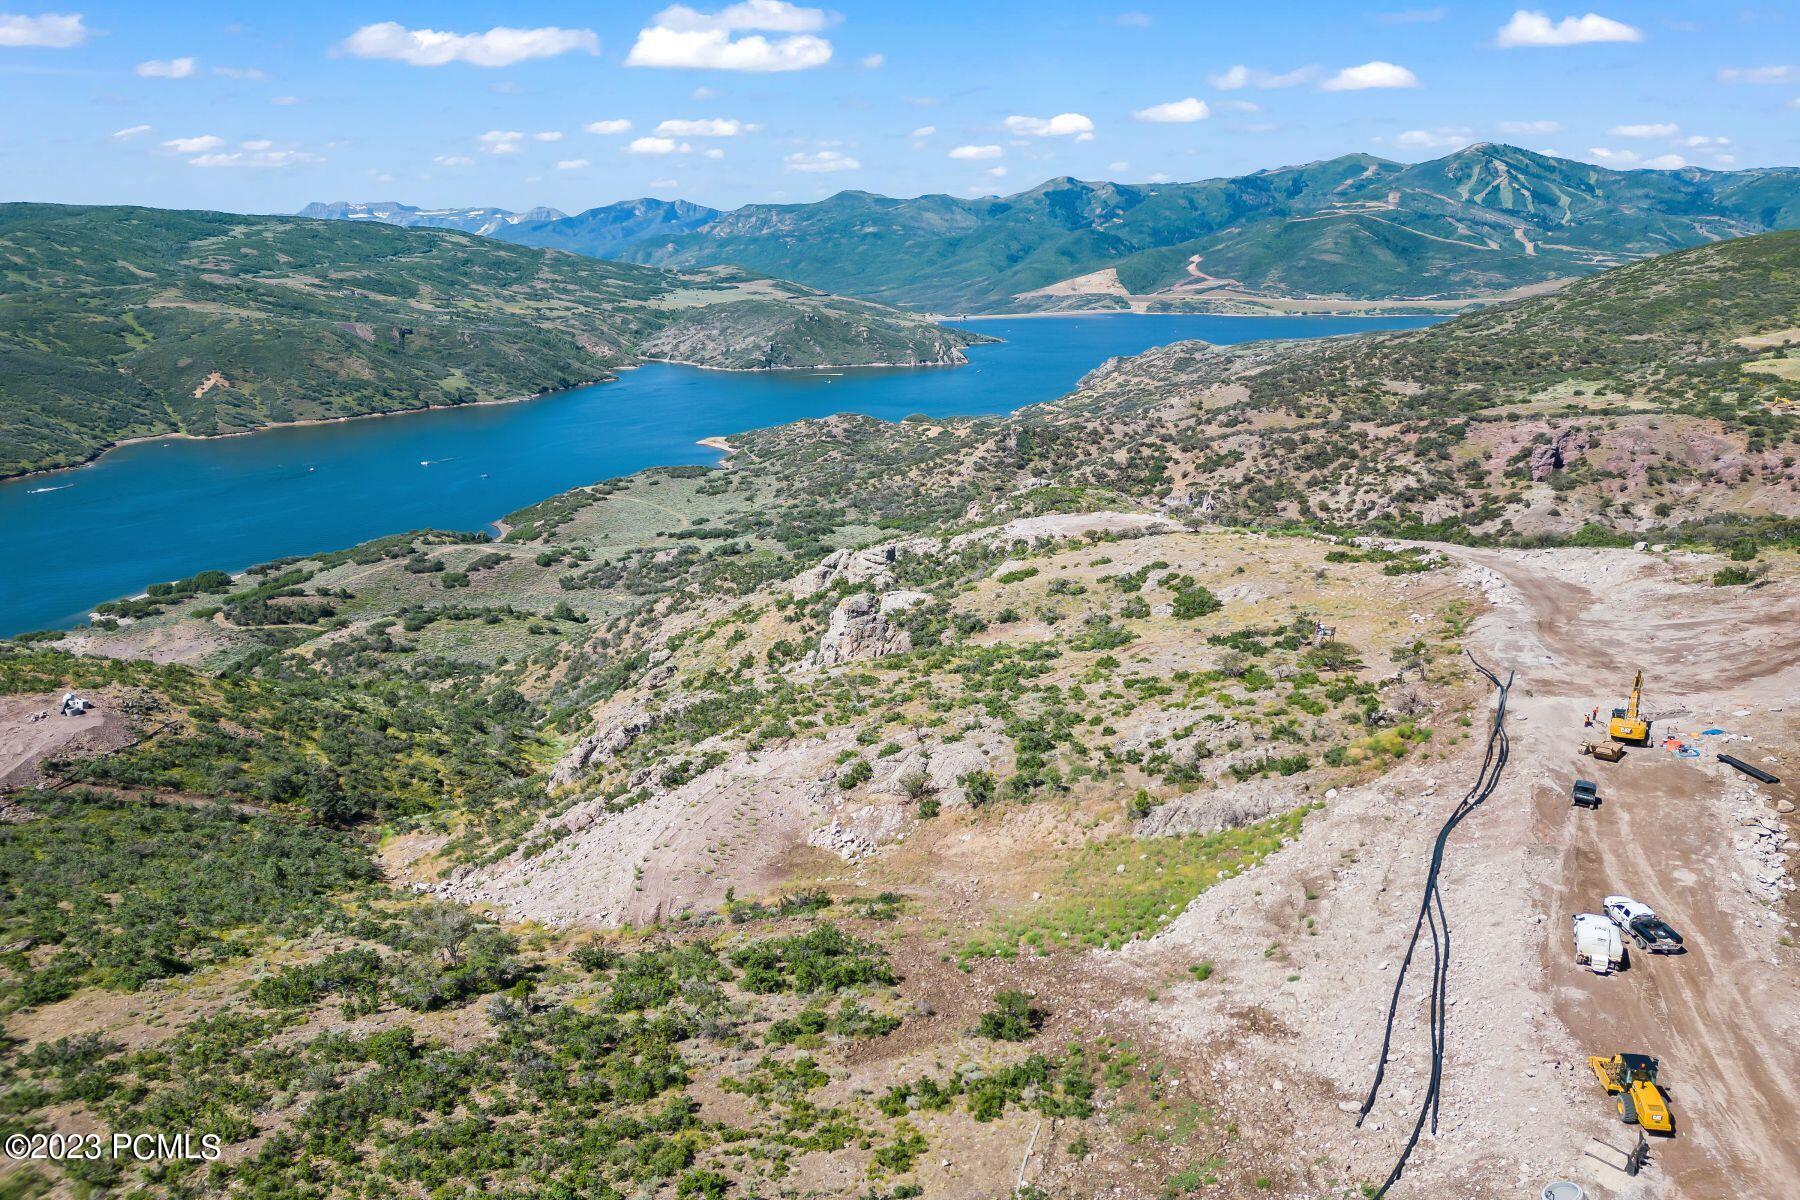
(308, 423)
(181, 435)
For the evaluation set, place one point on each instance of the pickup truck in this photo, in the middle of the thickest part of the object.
(1585, 794)
(1642, 925)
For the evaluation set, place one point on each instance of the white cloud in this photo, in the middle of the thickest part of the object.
(706, 127)
(1777, 74)
(1529, 28)
(498, 47)
(194, 145)
(664, 183)
(704, 93)
(1375, 74)
(129, 132)
(572, 164)
(822, 161)
(53, 31)
(1134, 20)
(1240, 106)
(1117, 167)
(1235, 78)
(680, 36)
(924, 131)
(1067, 124)
(262, 160)
(172, 68)
(1704, 142)
(248, 74)
(1666, 162)
(618, 125)
(996, 172)
(713, 152)
(1434, 139)
(1654, 130)
(657, 145)
(975, 152)
(257, 144)
(1533, 127)
(502, 141)
(548, 135)
(1617, 158)
(1159, 177)
(1175, 112)
(873, 62)
(454, 160)
(285, 100)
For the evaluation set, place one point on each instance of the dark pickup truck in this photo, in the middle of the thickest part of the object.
(1585, 794)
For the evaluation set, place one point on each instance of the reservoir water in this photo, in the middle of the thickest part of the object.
(165, 509)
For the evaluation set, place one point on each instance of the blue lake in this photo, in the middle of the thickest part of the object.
(165, 509)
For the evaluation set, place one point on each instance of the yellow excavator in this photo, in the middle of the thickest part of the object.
(1626, 725)
(1632, 1077)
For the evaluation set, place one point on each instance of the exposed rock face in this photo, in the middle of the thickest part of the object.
(860, 629)
(612, 737)
(872, 565)
(1554, 455)
(1231, 808)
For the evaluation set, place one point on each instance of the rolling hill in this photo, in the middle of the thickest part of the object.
(1485, 221)
(128, 322)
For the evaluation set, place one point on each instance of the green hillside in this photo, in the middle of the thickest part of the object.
(126, 322)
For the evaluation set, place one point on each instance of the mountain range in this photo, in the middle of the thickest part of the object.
(1485, 222)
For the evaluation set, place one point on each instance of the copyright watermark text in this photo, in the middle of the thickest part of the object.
(127, 1147)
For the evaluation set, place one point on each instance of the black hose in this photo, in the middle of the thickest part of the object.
(1433, 919)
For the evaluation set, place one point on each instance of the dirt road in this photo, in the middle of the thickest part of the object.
(1724, 1019)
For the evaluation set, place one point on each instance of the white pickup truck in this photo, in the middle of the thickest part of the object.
(1598, 946)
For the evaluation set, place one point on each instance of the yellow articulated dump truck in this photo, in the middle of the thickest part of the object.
(1632, 1078)
(1627, 726)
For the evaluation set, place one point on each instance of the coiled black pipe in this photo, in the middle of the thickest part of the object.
(1432, 919)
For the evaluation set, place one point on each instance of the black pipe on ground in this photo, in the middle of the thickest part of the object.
(1746, 768)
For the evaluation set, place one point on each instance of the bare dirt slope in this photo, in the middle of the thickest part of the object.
(26, 742)
(1314, 937)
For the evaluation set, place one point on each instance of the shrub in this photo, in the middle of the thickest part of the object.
(1014, 1018)
(1195, 601)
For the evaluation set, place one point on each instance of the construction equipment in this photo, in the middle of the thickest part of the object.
(1632, 1078)
(1604, 751)
(1627, 726)
(1598, 946)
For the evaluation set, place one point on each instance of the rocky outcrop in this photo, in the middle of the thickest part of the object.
(860, 629)
(1549, 457)
(872, 565)
(1210, 812)
(613, 737)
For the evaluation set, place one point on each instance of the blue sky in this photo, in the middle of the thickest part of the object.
(261, 107)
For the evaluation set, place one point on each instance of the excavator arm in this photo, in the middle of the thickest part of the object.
(1627, 725)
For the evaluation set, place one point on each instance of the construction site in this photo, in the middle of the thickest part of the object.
(1511, 1067)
